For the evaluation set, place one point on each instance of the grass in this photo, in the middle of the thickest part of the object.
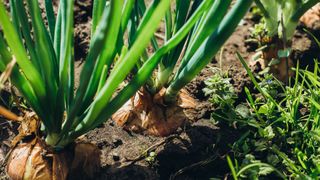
(279, 127)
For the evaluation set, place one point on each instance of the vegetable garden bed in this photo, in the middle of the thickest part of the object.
(197, 150)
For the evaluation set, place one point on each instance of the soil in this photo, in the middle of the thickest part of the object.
(195, 151)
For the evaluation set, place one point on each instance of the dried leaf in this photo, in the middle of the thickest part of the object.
(6, 73)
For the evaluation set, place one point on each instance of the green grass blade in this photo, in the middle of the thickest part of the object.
(315, 104)
(253, 79)
(313, 36)
(265, 94)
(233, 171)
(290, 163)
(258, 164)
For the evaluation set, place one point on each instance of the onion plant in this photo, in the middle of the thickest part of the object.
(285, 12)
(44, 73)
(281, 17)
(210, 33)
(121, 33)
(153, 109)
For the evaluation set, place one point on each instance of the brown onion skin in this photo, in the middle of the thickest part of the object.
(147, 114)
(37, 161)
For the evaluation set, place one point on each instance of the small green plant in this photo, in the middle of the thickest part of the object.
(252, 168)
(151, 158)
(220, 90)
(280, 131)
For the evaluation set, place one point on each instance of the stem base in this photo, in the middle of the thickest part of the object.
(281, 70)
(150, 115)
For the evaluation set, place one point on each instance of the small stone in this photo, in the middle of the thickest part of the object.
(117, 142)
(115, 157)
(111, 123)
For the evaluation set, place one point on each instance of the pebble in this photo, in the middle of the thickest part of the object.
(115, 157)
(117, 142)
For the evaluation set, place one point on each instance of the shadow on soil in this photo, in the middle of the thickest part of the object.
(191, 155)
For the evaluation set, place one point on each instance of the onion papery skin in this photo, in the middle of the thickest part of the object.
(147, 114)
(35, 160)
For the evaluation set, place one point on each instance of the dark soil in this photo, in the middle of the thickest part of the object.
(196, 151)
(8, 130)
